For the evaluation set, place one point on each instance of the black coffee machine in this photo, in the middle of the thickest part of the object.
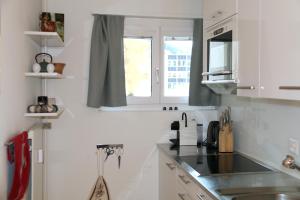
(175, 126)
(213, 135)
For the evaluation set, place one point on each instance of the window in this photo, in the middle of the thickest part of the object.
(157, 55)
(179, 48)
(138, 64)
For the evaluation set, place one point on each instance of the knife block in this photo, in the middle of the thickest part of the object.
(226, 139)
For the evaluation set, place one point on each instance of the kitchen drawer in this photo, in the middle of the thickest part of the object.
(182, 193)
(183, 179)
(193, 189)
(165, 161)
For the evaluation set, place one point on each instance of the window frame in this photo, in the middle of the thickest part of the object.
(157, 29)
(171, 32)
(136, 32)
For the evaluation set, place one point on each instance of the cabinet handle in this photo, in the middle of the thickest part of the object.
(171, 166)
(181, 196)
(246, 87)
(200, 196)
(289, 87)
(183, 179)
(219, 13)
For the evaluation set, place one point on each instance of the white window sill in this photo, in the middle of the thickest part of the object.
(155, 108)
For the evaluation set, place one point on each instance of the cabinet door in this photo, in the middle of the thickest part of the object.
(215, 11)
(280, 49)
(167, 178)
(248, 48)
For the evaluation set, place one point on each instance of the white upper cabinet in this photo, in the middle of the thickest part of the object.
(215, 11)
(248, 48)
(269, 49)
(268, 45)
(280, 49)
(245, 40)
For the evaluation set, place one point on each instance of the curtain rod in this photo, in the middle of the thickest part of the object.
(149, 17)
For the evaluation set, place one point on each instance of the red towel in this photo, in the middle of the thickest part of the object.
(21, 158)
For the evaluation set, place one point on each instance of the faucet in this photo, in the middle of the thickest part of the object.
(184, 116)
(289, 162)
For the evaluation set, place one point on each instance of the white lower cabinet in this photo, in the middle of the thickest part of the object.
(167, 178)
(194, 190)
(174, 183)
(183, 182)
(181, 193)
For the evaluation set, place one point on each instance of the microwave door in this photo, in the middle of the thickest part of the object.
(220, 54)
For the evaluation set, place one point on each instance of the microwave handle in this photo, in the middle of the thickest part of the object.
(218, 73)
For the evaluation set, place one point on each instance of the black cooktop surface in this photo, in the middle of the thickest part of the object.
(222, 164)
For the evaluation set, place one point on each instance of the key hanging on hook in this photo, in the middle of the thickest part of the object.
(109, 151)
(119, 153)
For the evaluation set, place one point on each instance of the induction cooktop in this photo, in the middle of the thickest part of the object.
(222, 164)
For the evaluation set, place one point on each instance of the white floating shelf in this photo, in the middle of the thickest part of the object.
(45, 115)
(45, 75)
(53, 39)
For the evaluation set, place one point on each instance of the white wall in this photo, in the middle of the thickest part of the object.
(72, 159)
(71, 143)
(17, 54)
(262, 128)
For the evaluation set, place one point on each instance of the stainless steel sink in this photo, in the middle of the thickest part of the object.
(288, 196)
(258, 190)
(262, 193)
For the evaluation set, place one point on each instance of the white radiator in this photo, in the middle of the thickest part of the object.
(36, 136)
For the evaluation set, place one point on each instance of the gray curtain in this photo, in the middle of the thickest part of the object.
(107, 74)
(200, 95)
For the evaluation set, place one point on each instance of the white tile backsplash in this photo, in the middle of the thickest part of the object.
(262, 128)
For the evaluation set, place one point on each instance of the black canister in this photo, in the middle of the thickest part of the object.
(42, 100)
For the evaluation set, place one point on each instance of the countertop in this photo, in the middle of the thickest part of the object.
(213, 183)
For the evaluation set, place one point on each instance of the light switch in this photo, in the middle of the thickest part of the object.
(40, 156)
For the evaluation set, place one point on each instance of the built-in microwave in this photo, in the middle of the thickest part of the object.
(220, 52)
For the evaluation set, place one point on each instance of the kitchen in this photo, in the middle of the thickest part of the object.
(264, 120)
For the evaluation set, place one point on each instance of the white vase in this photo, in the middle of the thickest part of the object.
(36, 68)
(50, 68)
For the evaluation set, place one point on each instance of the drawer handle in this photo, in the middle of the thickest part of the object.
(181, 196)
(289, 87)
(171, 166)
(246, 87)
(183, 179)
(200, 196)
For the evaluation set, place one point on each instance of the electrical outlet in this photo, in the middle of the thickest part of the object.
(294, 146)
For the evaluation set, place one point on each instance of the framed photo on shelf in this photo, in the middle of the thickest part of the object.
(52, 22)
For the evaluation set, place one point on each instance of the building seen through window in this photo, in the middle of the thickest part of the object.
(177, 52)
